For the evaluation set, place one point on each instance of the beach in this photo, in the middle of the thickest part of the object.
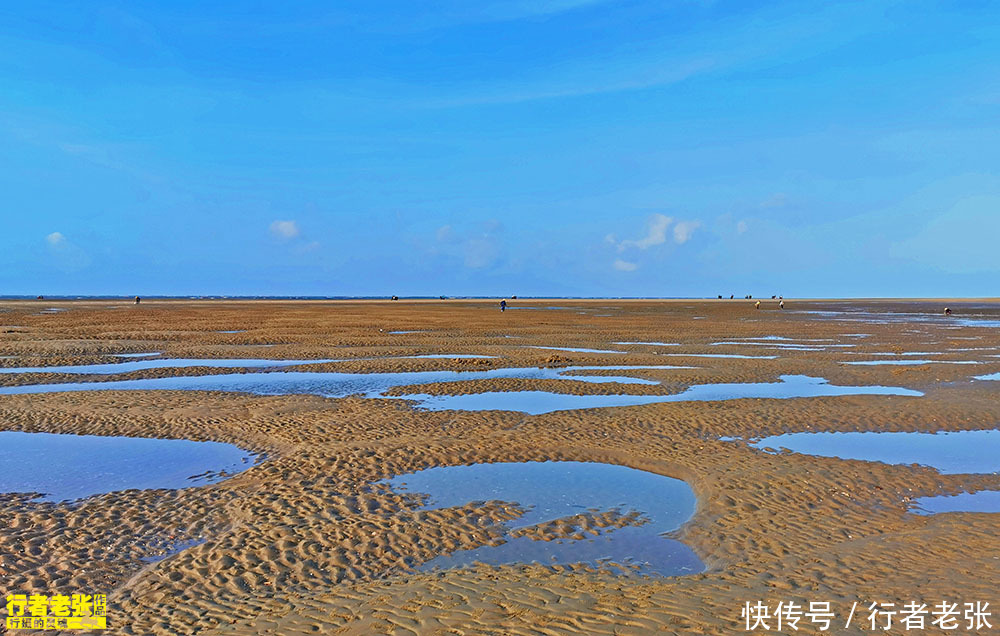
(307, 540)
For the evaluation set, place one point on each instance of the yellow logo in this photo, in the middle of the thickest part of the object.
(40, 611)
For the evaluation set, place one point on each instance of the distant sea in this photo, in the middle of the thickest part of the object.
(113, 297)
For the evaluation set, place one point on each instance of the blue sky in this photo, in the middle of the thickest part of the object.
(546, 147)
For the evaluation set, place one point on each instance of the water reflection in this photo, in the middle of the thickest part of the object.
(562, 492)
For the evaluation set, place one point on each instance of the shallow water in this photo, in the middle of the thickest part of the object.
(656, 344)
(988, 376)
(451, 356)
(335, 384)
(955, 452)
(982, 501)
(904, 353)
(172, 549)
(906, 363)
(554, 490)
(232, 331)
(720, 355)
(163, 363)
(575, 349)
(952, 322)
(538, 402)
(768, 345)
(813, 346)
(786, 339)
(373, 385)
(137, 355)
(974, 322)
(76, 466)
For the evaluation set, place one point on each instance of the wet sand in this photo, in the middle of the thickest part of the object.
(304, 543)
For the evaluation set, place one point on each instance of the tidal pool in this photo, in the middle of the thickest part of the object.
(951, 322)
(66, 467)
(163, 363)
(653, 344)
(770, 345)
(451, 356)
(557, 490)
(783, 344)
(787, 339)
(907, 363)
(957, 452)
(982, 501)
(538, 402)
(904, 353)
(335, 384)
(576, 349)
(720, 355)
(374, 385)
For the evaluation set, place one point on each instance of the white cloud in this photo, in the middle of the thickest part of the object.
(683, 231)
(741, 227)
(480, 252)
(624, 266)
(311, 246)
(445, 233)
(592, 78)
(66, 256)
(529, 8)
(285, 229)
(478, 244)
(776, 200)
(656, 234)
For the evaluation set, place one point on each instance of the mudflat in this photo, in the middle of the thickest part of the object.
(308, 541)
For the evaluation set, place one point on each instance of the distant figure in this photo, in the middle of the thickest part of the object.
(773, 296)
(781, 304)
(720, 296)
(947, 311)
(503, 305)
(756, 305)
(395, 298)
(731, 296)
(137, 300)
(40, 298)
(442, 298)
(513, 297)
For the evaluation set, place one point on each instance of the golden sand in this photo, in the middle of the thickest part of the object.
(303, 543)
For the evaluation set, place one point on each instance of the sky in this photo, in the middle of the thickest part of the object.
(526, 147)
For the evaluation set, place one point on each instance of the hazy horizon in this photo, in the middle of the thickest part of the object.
(488, 297)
